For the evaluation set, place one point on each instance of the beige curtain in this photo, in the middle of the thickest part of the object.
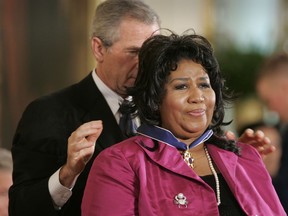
(44, 46)
(13, 64)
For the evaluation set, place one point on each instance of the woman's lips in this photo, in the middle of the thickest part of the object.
(197, 112)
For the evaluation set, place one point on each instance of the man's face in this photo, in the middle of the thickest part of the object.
(119, 66)
(273, 91)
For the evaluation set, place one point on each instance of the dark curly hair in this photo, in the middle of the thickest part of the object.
(158, 57)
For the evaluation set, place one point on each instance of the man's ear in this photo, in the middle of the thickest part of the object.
(98, 49)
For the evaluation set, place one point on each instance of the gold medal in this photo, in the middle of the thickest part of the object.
(188, 158)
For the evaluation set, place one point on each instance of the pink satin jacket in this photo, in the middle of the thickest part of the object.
(128, 179)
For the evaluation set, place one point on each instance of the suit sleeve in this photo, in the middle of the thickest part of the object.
(111, 188)
(39, 149)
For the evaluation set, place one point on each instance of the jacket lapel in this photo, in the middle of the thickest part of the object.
(226, 161)
(167, 157)
(95, 107)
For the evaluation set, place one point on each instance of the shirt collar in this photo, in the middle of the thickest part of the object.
(112, 98)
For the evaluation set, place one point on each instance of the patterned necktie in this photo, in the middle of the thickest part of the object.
(126, 123)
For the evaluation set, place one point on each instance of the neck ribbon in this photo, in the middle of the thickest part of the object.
(165, 136)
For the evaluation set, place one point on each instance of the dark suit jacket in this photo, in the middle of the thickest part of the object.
(281, 180)
(40, 146)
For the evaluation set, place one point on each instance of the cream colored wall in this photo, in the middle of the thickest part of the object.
(184, 14)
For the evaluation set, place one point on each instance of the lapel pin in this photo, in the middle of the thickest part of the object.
(180, 200)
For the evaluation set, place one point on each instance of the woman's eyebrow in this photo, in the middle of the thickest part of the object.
(179, 78)
(203, 78)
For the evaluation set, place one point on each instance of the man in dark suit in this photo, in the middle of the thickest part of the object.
(272, 87)
(50, 173)
(42, 157)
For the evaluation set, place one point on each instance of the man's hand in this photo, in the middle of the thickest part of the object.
(81, 145)
(257, 139)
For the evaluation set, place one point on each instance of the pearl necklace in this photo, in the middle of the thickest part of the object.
(215, 175)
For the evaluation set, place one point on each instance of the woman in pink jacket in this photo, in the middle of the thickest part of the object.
(180, 162)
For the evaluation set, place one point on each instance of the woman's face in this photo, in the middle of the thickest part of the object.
(188, 104)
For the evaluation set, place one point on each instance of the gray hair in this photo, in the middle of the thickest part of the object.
(5, 159)
(109, 14)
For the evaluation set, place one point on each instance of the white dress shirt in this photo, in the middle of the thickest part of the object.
(59, 193)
